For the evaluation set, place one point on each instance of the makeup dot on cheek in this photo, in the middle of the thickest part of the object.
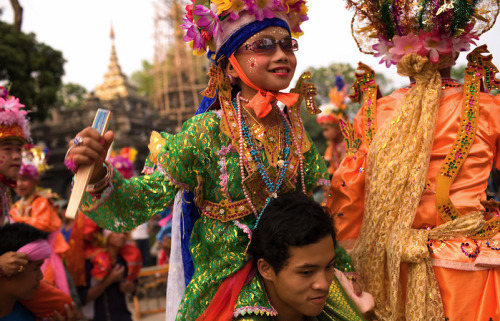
(252, 64)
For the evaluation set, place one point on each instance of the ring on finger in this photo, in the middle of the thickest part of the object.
(78, 141)
(21, 268)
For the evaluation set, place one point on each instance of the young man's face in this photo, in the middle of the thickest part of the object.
(301, 287)
(10, 158)
(23, 285)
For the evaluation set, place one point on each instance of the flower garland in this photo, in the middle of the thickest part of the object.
(431, 44)
(392, 29)
(202, 22)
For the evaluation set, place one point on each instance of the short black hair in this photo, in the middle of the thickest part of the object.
(16, 235)
(292, 219)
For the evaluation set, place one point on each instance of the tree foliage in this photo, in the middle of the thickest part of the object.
(144, 79)
(33, 69)
(71, 95)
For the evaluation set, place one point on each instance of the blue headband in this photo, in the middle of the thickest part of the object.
(242, 34)
(234, 42)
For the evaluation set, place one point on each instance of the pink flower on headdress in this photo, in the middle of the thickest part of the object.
(435, 45)
(405, 45)
(193, 34)
(11, 103)
(260, 8)
(208, 20)
(382, 50)
(463, 42)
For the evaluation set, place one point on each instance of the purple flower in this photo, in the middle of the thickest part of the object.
(193, 34)
(382, 50)
(261, 8)
(208, 20)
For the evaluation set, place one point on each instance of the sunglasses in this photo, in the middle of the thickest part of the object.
(267, 45)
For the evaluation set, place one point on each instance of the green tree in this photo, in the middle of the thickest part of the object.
(71, 95)
(33, 69)
(144, 79)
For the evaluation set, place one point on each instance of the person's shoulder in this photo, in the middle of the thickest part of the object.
(207, 119)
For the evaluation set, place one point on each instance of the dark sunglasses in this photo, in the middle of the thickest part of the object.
(267, 45)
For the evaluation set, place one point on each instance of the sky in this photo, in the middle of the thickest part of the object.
(80, 29)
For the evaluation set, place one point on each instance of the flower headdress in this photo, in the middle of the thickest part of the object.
(392, 29)
(34, 161)
(13, 121)
(335, 109)
(209, 23)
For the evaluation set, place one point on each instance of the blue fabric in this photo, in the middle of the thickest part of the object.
(19, 313)
(164, 230)
(190, 215)
(241, 35)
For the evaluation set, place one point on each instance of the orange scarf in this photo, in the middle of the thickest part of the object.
(261, 102)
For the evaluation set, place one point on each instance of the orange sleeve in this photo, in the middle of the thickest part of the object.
(347, 192)
(43, 216)
(47, 299)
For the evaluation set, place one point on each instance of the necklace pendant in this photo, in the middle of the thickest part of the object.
(281, 163)
(274, 195)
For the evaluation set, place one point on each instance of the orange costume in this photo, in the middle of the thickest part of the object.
(38, 210)
(471, 265)
(14, 124)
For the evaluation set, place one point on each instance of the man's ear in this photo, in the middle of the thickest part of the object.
(230, 71)
(265, 270)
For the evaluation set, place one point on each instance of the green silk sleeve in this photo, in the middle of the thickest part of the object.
(175, 161)
(131, 202)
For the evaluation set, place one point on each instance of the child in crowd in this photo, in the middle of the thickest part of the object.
(38, 208)
(236, 155)
(32, 243)
(14, 133)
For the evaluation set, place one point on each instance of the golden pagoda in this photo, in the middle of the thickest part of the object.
(115, 83)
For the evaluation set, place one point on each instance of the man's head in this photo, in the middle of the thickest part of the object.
(293, 247)
(10, 157)
(26, 239)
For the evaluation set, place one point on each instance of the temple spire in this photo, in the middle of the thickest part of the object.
(115, 82)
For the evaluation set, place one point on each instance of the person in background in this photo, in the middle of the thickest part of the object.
(105, 267)
(32, 243)
(329, 120)
(38, 207)
(14, 132)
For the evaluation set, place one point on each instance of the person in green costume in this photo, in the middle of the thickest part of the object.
(237, 154)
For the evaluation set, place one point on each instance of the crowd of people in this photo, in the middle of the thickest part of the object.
(409, 226)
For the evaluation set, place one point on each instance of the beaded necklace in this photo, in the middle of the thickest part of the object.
(246, 139)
